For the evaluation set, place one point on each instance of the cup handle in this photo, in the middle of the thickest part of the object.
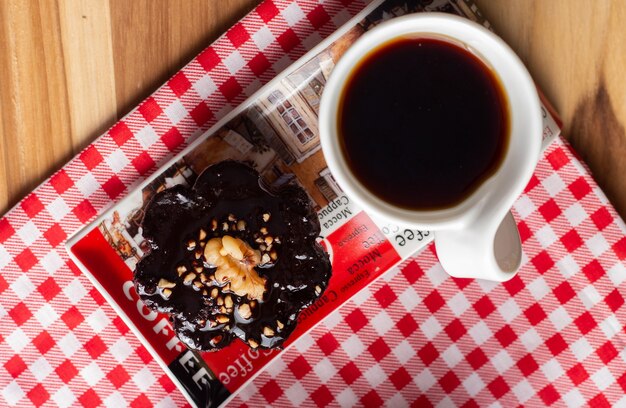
(484, 250)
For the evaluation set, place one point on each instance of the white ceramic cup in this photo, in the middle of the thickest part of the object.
(478, 238)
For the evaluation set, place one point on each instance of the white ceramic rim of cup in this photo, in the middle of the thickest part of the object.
(524, 105)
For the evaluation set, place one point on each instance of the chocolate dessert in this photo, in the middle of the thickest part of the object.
(231, 257)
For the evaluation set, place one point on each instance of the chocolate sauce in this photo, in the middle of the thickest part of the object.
(229, 199)
(423, 123)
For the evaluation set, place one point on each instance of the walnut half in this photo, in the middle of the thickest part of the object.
(235, 261)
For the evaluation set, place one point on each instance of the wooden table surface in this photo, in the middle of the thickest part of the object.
(70, 68)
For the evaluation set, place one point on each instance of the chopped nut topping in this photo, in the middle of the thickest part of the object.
(263, 230)
(235, 261)
(244, 311)
(269, 240)
(201, 235)
(228, 301)
(266, 217)
(268, 331)
(191, 245)
(166, 293)
(241, 225)
(279, 324)
(213, 224)
(265, 259)
(222, 319)
(253, 343)
(231, 218)
(181, 269)
(232, 247)
(164, 283)
(214, 292)
(189, 277)
(318, 290)
(224, 226)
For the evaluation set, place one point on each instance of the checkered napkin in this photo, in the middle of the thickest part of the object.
(552, 335)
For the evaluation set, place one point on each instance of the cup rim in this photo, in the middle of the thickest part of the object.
(438, 24)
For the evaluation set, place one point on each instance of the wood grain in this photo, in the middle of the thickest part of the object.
(34, 109)
(90, 81)
(70, 68)
(576, 51)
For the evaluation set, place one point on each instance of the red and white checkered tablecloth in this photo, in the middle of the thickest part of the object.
(554, 335)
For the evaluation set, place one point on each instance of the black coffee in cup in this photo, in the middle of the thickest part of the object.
(423, 123)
